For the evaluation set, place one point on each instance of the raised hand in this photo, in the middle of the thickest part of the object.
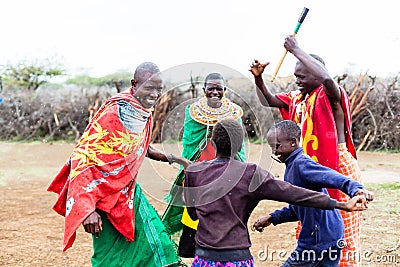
(257, 68)
(290, 43)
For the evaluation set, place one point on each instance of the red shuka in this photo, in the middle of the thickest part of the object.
(101, 171)
(319, 135)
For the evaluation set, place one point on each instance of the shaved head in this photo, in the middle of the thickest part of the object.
(315, 57)
(287, 129)
(213, 76)
(145, 70)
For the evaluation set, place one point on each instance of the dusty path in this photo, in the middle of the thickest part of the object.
(31, 233)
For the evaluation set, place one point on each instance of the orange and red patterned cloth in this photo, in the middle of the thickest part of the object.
(101, 171)
(351, 254)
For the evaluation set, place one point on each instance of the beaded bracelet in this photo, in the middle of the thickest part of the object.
(171, 159)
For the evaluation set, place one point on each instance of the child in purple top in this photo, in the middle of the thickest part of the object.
(223, 192)
(321, 236)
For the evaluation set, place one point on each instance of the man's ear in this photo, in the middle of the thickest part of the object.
(133, 82)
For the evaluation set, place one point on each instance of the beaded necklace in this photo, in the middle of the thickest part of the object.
(206, 115)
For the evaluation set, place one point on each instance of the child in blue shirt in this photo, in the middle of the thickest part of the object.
(321, 236)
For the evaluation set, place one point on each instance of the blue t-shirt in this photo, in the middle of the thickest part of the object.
(321, 229)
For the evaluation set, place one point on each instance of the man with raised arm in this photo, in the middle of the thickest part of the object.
(321, 108)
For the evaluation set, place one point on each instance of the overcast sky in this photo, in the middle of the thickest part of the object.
(99, 37)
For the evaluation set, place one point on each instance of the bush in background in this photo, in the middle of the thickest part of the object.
(63, 113)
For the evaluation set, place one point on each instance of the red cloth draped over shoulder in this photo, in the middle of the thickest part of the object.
(319, 135)
(101, 171)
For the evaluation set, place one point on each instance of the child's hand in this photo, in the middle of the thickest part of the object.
(184, 162)
(357, 203)
(261, 223)
(369, 196)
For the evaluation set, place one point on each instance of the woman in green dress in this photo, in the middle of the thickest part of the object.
(200, 118)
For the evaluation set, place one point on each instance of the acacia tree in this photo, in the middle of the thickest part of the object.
(30, 75)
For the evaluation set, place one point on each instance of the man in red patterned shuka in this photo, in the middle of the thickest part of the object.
(97, 186)
(321, 108)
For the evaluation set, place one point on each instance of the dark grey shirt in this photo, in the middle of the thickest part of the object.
(222, 195)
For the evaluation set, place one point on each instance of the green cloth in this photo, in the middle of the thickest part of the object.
(195, 136)
(152, 246)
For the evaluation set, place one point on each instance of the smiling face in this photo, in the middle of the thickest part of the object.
(214, 91)
(148, 89)
(281, 145)
(305, 81)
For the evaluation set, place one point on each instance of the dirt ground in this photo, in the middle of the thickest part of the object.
(31, 232)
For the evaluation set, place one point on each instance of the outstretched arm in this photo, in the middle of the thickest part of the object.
(315, 67)
(156, 154)
(272, 189)
(286, 214)
(263, 93)
(357, 203)
(320, 176)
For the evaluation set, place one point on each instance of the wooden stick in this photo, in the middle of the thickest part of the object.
(299, 22)
(280, 63)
